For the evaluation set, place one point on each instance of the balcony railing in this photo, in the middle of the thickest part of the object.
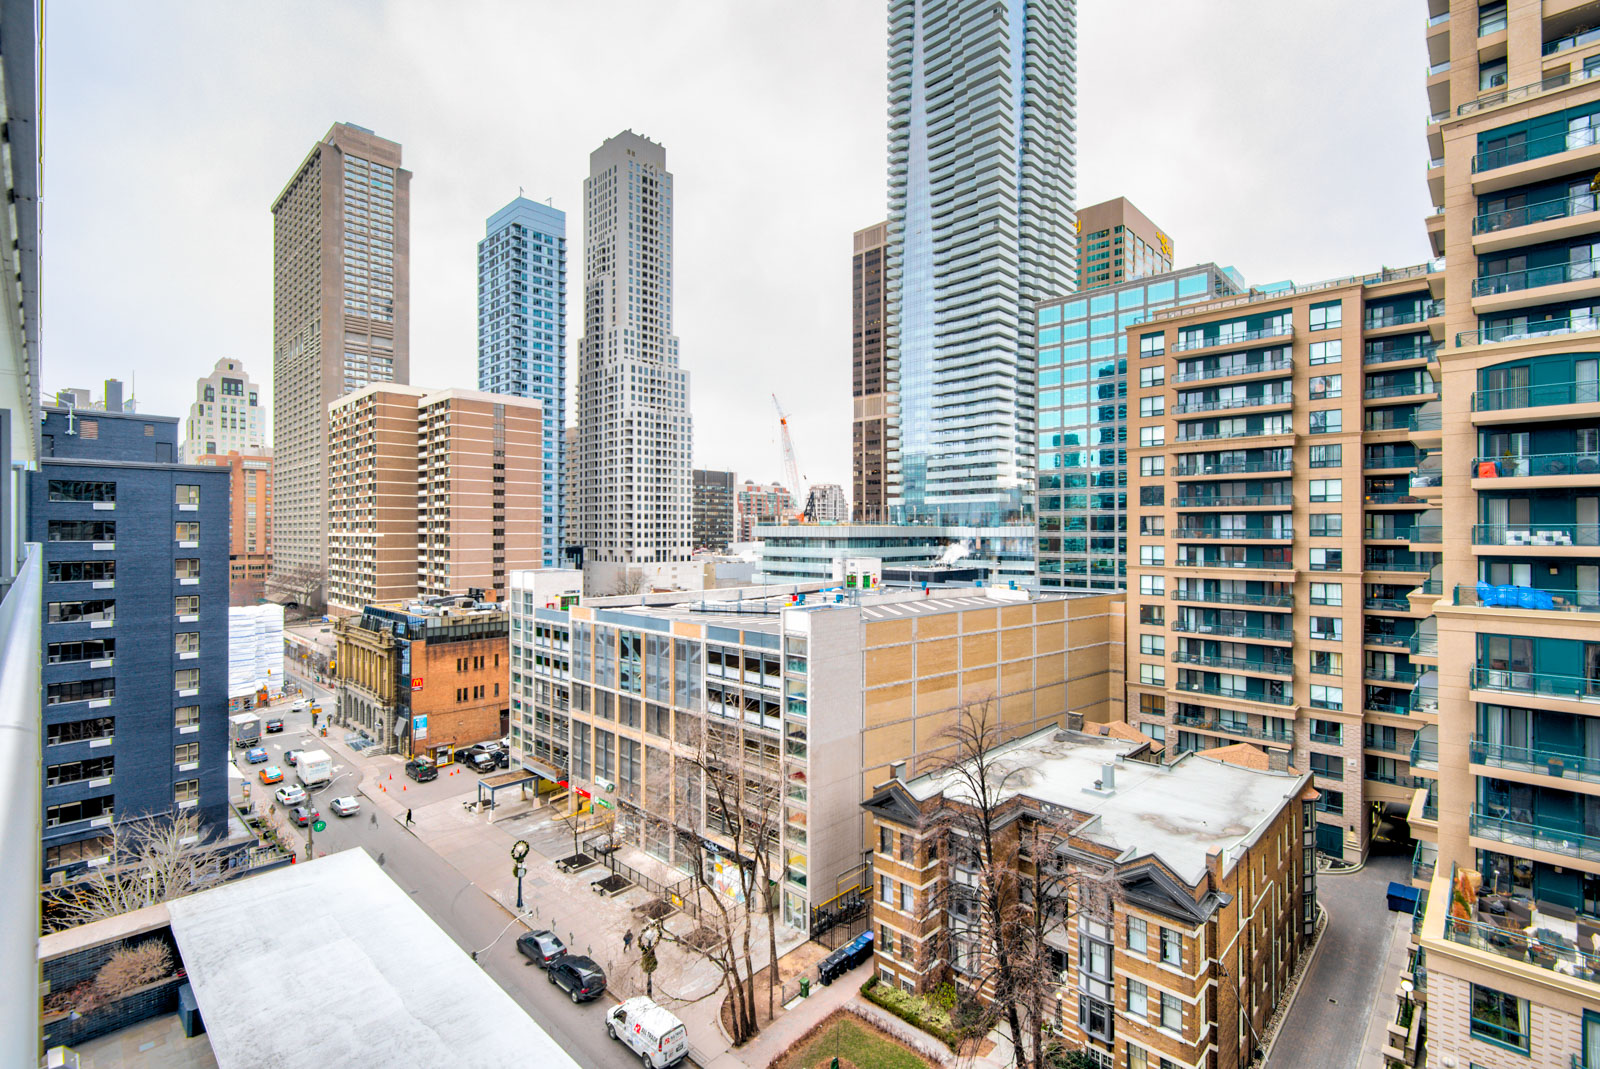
(1505, 96)
(1253, 367)
(1196, 686)
(1424, 859)
(1424, 753)
(1230, 597)
(1558, 763)
(1404, 676)
(1536, 464)
(1260, 401)
(1228, 501)
(1236, 337)
(1535, 534)
(1391, 534)
(1264, 634)
(1411, 352)
(1232, 467)
(1387, 604)
(1394, 497)
(1229, 727)
(1569, 842)
(1548, 684)
(1572, 40)
(1423, 644)
(1520, 331)
(1527, 214)
(1401, 389)
(1394, 642)
(1234, 534)
(1545, 599)
(1394, 317)
(1208, 562)
(1223, 436)
(1396, 779)
(1389, 457)
(1533, 277)
(1552, 393)
(1240, 664)
(1521, 946)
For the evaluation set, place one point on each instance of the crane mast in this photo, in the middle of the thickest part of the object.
(791, 466)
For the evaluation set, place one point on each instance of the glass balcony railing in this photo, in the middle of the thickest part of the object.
(1232, 727)
(1395, 317)
(1221, 562)
(1424, 753)
(1234, 664)
(1206, 686)
(1519, 945)
(1536, 534)
(1393, 642)
(1260, 401)
(1393, 497)
(1263, 634)
(1234, 534)
(1188, 434)
(1424, 645)
(1520, 331)
(1230, 597)
(1545, 394)
(1546, 684)
(1544, 599)
(1401, 389)
(1424, 859)
(1527, 214)
(1505, 96)
(1387, 604)
(1389, 457)
(1558, 763)
(1424, 700)
(1391, 675)
(1533, 277)
(1568, 841)
(1390, 534)
(1571, 40)
(1231, 467)
(1391, 356)
(1228, 501)
(1226, 371)
(1536, 464)
(1427, 532)
(1234, 337)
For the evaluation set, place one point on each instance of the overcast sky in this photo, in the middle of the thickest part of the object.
(1282, 138)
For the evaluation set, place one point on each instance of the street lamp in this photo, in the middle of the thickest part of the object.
(519, 853)
(311, 813)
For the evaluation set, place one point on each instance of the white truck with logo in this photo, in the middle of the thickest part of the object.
(314, 767)
(650, 1031)
(245, 729)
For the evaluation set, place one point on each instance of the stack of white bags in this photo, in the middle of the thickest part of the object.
(255, 649)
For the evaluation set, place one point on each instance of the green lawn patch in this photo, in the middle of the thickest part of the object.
(854, 1042)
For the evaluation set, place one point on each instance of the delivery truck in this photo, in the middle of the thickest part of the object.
(314, 767)
(246, 729)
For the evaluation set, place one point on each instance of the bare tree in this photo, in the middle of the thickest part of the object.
(152, 860)
(1009, 888)
(578, 821)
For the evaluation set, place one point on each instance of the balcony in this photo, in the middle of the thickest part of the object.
(1228, 597)
(1390, 642)
(1424, 753)
(1521, 92)
(1541, 396)
(1387, 604)
(1426, 310)
(1401, 389)
(1228, 371)
(1187, 434)
(1404, 677)
(1425, 351)
(1230, 501)
(1383, 457)
(1558, 763)
(1266, 400)
(1511, 219)
(1424, 859)
(1231, 727)
(1263, 634)
(1234, 534)
(1523, 331)
(1544, 684)
(1393, 497)
(1542, 599)
(1196, 686)
(1536, 465)
(1568, 842)
(1234, 664)
(1235, 337)
(1230, 467)
(1247, 563)
(1536, 277)
(1507, 940)
(1536, 535)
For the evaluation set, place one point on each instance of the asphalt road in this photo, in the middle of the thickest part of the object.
(470, 917)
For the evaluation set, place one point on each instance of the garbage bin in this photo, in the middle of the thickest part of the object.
(805, 987)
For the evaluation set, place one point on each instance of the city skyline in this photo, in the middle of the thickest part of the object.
(834, 117)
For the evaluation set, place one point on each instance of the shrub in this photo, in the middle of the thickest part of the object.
(919, 1011)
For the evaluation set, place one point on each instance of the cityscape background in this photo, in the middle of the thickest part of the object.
(183, 118)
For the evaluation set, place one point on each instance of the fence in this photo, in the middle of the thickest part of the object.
(680, 894)
(841, 918)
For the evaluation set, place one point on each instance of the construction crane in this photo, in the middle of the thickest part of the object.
(791, 466)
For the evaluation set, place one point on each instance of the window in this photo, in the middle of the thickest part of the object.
(185, 752)
(186, 790)
(1150, 436)
(1327, 456)
(1327, 421)
(1327, 731)
(83, 690)
(906, 901)
(1325, 386)
(99, 727)
(1138, 999)
(1327, 490)
(1153, 526)
(186, 716)
(186, 678)
(1171, 946)
(70, 812)
(1324, 662)
(1327, 560)
(82, 490)
(75, 852)
(81, 531)
(1154, 675)
(1326, 352)
(1152, 345)
(1327, 764)
(1327, 524)
(187, 531)
(1152, 615)
(188, 495)
(1152, 496)
(1138, 936)
(186, 605)
(1491, 19)
(1154, 375)
(188, 642)
(1327, 628)
(1171, 1012)
(1327, 594)
(1326, 697)
(1327, 316)
(1152, 556)
(82, 571)
(186, 568)
(1152, 465)
(1153, 406)
(1153, 705)
(1499, 1017)
(1153, 585)
(1153, 645)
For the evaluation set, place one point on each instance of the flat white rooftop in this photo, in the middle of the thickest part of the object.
(1180, 812)
(329, 963)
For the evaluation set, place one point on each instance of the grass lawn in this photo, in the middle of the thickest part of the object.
(854, 1042)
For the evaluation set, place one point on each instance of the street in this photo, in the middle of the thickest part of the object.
(466, 914)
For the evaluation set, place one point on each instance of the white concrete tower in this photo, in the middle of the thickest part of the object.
(226, 415)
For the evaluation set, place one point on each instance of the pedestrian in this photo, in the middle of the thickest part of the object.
(408, 818)
(627, 940)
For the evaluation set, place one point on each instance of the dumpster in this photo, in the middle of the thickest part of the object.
(1402, 898)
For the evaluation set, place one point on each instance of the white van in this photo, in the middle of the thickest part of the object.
(654, 1034)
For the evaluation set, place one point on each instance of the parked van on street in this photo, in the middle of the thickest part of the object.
(651, 1031)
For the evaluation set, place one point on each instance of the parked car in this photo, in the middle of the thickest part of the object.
(348, 806)
(578, 976)
(272, 774)
(274, 724)
(290, 794)
(255, 755)
(650, 1031)
(502, 758)
(482, 762)
(303, 815)
(466, 755)
(421, 769)
(292, 756)
(845, 958)
(541, 947)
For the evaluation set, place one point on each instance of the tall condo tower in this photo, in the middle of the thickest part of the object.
(870, 419)
(522, 337)
(341, 313)
(982, 149)
(633, 399)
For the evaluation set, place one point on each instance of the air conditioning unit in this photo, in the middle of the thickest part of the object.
(61, 1058)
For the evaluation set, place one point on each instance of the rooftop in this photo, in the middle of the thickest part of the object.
(1180, 813)
(393, 989)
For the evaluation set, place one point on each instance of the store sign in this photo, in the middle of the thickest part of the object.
(419, 727)
(416, 684)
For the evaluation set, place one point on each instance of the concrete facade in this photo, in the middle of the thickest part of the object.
(341, 319)
(1117, 242)
(760, 505)
(226, 415)
(250, 547)
(135, 621)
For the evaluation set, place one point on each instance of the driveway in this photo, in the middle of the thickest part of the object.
(1325, 1027)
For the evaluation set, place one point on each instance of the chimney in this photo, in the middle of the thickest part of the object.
(1074, 721)
(1277, 760)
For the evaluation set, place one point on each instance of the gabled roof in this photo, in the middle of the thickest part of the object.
(894, 802)
(1149, 887)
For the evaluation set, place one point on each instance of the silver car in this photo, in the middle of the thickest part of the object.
(348, 806)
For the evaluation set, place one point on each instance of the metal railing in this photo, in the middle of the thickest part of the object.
(1424, 311)
(1570, 842)
(1222, 436)
(1224, 501)
(1389, 456)
(1402, 389)
(1534, 464)
(1377, 705)
(1547, 684)
(1232, 728)
(1217, 562)
(1391, 534)
(1264, 634)
(1229, 597)
(1553, 599)
(1279, 363)
(1393, 497)
(1235, 467)
(1234, 534)
(1536, 534)
(1198, 686)
(1521, 331)
(1572, 40)
(1540, 396)
(1234, 664)
(1528, 214)
(1558, 763)
(1533, 277)
(680, 895)
(1234, 337)
(20, 775)
(1394, 642)
(1258, 401)
(1392, 676)
(1424, 859)
(1410, 352)
(1387, 604)
(1521, 92)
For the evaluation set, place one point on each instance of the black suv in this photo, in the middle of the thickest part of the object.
(578, 976)
(541, 947)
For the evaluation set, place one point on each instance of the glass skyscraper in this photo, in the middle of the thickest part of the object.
(982, 148)
(522, 336)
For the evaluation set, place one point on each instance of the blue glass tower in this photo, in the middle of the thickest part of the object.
(522, 335)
